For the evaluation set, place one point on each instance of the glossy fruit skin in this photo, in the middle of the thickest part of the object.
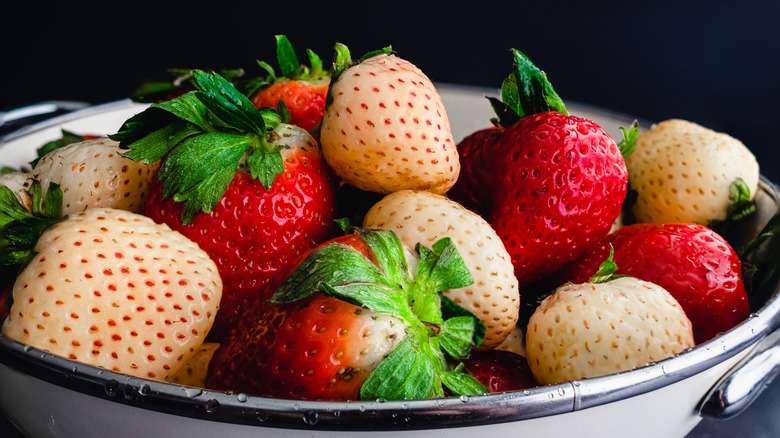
(477, 175)
(305, 350)
(305, 100)
(253, 232)
(554, 185)
(385, 129)
(694, 263)
(114, 289)
(500, 370)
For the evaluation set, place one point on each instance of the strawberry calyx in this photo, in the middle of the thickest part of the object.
(202, 137)
(418, 367)
(524, 92)
(22, 221)
(151, 91)
(290, 67)
(607, 269)
(342, 60)
(758, 275)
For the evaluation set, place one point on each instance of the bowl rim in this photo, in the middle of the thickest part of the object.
(543, 401)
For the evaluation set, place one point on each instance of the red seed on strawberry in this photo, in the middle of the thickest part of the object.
(694, 263)
(594, 329)
(385, 127)
(254, 195)
(114, 289)
(356, 319)
(550, 183)
(302, 89)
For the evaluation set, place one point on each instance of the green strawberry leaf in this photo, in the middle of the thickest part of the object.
(456, 335)
(463, 384)
(376, 297)
(157, 144)
(526, 91)
(189, 108)
(628, 143)
(342, 60)
(450, 271)
(65, 139)
(264, 165)
(288, 60)
(741, 205)
(451, 309)
(198, 171)
(333, 265)
(389, 252)
(407, 373)
(202, 137)
(607, 269)
(316, 69)
(142, 124)
(152, 91)
(12, 210)
(441, 268)
(228, 104)
(20, 228)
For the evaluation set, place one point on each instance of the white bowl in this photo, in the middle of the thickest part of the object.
(46, 395)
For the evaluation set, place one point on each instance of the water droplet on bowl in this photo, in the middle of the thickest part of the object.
(111, 387)
(242, 397)
(144, 389)
(464, 398)
(262, 417)
(192, 392)
(211, 406)
(311, 418)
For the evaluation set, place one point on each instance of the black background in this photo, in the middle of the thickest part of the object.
(716, 63)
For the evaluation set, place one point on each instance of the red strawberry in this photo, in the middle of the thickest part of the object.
(354, 321)
(500, 370)
(694, 263)
(302, 89)
(477, 174)
(254, 200)
(552, 183)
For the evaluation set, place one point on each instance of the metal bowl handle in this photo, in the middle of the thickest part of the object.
(19, 117)
(735, 391)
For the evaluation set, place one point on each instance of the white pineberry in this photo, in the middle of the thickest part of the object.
(682, 172)
(94, 173)
(386, 129)
(425, 217)
(594, 329)
(114, 289)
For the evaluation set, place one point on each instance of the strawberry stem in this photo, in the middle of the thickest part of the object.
(524, 92)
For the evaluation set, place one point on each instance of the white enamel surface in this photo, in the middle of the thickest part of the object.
(667, 412)
(44, 410)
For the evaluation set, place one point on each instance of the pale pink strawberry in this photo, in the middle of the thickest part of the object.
(418, 216)
(594, 329)
(114, 289)
(683, 172)
(385, 127)
(94, 173)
